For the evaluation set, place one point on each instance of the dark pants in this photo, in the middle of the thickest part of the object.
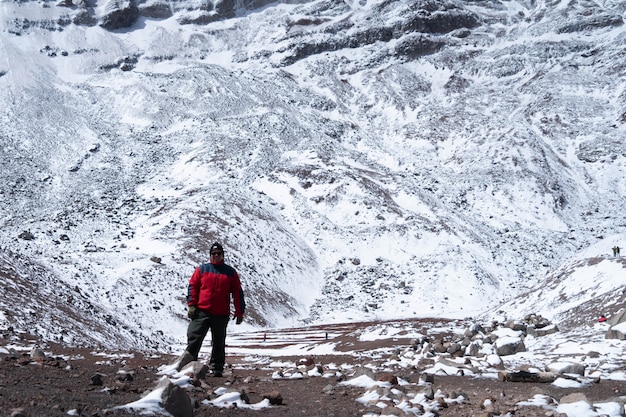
(196, 332)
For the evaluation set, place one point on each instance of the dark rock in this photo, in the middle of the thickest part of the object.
(176, 401)
(274, 397)
(392, 379)
(119, 14)
(526, 376)
(203, 18)
(444, 21)
(184, 359)
(155, 10)
(97, 380)
(225, 8)
(244, 396)
(84, 17)
(26, 235)
(124, 376)
(594, 22)
(428, 378)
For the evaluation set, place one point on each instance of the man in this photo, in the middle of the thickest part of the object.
(211, 288)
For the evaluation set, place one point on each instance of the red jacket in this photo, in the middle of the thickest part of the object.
(211, 287)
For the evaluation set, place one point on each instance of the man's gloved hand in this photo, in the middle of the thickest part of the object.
(192, 312)
(238, 320)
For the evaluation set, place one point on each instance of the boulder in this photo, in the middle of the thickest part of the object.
(175, 400)
(525, 376)
(509, 346)
(560, 368)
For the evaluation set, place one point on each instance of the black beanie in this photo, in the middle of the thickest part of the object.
(216, 246)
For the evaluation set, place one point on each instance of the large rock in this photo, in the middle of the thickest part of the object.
(175, 400)
(509, 346)
(526, 376)
(561, 368)
(185, 359)
(617, 332)
(543, 331)
(618, 326)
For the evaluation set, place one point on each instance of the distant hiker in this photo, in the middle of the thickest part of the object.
(614, 250)
(211, 288)
(602, 318)
(617, 250)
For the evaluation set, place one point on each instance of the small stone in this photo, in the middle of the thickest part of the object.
(38, 355)
(96, 379)
(274, 397)
(18, 412)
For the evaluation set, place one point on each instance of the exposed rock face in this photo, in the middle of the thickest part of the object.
(155, 10)
(443, 20)
(426, 18)
(225, 8)
(416, 45)
(592, 22)
(421, 17)
(84, 17)
(119, 14)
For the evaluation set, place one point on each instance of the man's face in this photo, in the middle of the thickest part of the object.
(216, 255)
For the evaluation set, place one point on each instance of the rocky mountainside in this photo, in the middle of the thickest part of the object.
(367, 159)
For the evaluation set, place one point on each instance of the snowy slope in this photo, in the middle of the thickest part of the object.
(358, 160)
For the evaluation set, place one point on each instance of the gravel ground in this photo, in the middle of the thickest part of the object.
(84, 382)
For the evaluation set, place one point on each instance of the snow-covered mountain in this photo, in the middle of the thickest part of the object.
(359, 160)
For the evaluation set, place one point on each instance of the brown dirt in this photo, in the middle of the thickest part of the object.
(63, 381)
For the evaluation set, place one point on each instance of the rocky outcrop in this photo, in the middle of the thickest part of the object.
(155, 10)
(412, 32)
(444, 20)
(416, 45)
(119, 14)
(592, 22)
(210, 11)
